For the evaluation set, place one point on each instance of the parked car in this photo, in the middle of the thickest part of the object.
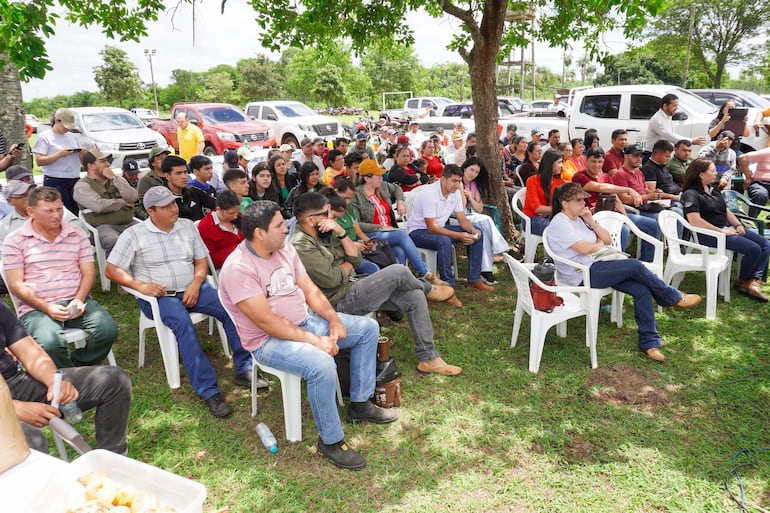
(742, 99)
(515, 103)
(31, 120)
(146, 115)
(116, 131)
(418, 108)
(224, 126)
(292, 121)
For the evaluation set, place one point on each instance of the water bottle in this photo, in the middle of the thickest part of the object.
(71, 412)
(268, 439)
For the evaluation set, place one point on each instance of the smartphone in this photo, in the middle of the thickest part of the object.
(73, 310)
(75, 150)
(20, 145)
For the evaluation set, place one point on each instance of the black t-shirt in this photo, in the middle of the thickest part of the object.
(710, 205)
(660, 173)
(11, 332)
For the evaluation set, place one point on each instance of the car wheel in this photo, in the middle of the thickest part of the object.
(209, 151)
(290, 139)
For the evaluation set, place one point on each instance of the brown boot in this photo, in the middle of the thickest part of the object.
(440, 293)
(480, 285)
(742, 285)
(438, 366)
(654, 354)
(454, 301)
(434, 280)
(756, 292)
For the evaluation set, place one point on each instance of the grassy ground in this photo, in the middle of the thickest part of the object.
(631, 435)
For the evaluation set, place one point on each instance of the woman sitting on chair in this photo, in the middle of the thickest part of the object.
(573, 234)
(705, 207)
(540, 187)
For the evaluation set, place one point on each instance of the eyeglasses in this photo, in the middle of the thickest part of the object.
(325, 213)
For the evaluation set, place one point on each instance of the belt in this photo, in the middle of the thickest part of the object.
(10, 371)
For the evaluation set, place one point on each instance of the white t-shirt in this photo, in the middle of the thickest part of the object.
(431, 202)
(50, 142)
(563, 232)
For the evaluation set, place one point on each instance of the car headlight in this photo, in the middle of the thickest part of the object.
(106, 146)
(270, 133)
(305, 128)
(226, 136)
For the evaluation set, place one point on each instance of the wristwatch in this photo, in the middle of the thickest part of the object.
(345, 234)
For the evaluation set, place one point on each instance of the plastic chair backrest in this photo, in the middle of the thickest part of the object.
(521, 277)
(612, 222)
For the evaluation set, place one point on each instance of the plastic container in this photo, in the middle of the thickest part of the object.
(71, 412)
(267, 437)
(184, 495)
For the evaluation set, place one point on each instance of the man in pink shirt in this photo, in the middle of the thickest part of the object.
(49, 266)
(757, 184)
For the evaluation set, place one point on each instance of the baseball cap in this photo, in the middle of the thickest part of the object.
(245, 153)
(17, 172)
(370, 167)
(159, 150)
(511, 126)
(93, 154)
(67, 118)
(402, 139)
(158, 196)
(557, 95)
(286, 147)
(727, 133)
(440, 129)
(537, 131)
(230, 159)
(391, 132)
(457, 136)
(632, 149)
(318, 140)
(360, 136)
(414, 122)
(305, 142)
(130, 167)
(16, 188)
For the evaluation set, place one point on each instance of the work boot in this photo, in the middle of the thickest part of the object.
(342, 455)
(368, 412)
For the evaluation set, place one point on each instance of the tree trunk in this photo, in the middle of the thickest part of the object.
(12, 122)
(482, 62)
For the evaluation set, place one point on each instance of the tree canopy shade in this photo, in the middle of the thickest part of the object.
(483, 34)
(117, 77)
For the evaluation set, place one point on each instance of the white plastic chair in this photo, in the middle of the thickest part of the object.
(428, 256)
(74, 336)
(576, 304)
(531, 241)
(594, 295)
(166, 339)
(291, 392)
(613, 222)
(101, 254)
(715, 262)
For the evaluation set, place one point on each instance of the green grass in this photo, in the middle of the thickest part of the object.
(632, 435)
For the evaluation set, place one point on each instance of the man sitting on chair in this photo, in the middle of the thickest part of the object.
(164, 257)
(50, 269)
(106, 200)
(266, 289)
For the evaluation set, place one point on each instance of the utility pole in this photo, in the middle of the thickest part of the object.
(689, 46)
(150, 53)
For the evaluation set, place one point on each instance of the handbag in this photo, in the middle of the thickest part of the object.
(606, 202)
(380, 253)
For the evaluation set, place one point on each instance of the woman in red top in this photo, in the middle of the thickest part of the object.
(220, 229)
(435, 167)
(538, 201)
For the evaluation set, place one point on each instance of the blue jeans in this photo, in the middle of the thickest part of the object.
(754, 248)
(367, 267)
(539, 224)
(65, 187)
(320, 371)
(176, 316)
(630, 276)
(648, 225)
(759, 193)
(403, 248)
(442, 244)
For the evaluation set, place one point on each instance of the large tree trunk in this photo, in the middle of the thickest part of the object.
(12, 123)
(482, 62)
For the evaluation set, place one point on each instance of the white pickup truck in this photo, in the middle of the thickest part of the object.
(292, 121)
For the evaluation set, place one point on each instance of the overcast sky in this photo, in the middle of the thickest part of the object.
(219, 39)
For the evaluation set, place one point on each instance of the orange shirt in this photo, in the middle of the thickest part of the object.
(536, 196)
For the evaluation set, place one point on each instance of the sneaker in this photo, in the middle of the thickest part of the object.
(434, 280)
(244, 380)
(488, 277)
(218, 406)
(368, 412)
(342, 455)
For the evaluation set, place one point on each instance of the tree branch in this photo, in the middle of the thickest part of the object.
(466, 16)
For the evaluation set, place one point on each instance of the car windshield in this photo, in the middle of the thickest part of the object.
(441, 101)
(216, 115)
(694, 103)
(755, 99)
(101, 121)
(295, 110)
(144, 112)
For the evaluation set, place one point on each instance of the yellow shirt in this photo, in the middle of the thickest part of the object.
(568, 170)
(188, 140)
(328, 175)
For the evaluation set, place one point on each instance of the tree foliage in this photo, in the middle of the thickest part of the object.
(117, 77)
(261, 79)
(722, 31)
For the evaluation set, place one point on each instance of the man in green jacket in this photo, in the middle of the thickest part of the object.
(330, 256)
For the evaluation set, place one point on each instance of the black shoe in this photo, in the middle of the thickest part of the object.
(368, 412)
(218, 406)
(395, 315)
(244, 380)
(488, 277)
(342, 455)
(516, 254)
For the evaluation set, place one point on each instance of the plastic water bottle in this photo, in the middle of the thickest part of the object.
(71, 412)
(267, 437)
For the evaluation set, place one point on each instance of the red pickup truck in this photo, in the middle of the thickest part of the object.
(224, 127)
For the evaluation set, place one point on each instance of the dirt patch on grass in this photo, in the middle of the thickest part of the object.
(580, 451)
(624, 385)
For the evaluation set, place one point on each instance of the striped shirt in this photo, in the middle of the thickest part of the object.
(51, 269)
(154, 256)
